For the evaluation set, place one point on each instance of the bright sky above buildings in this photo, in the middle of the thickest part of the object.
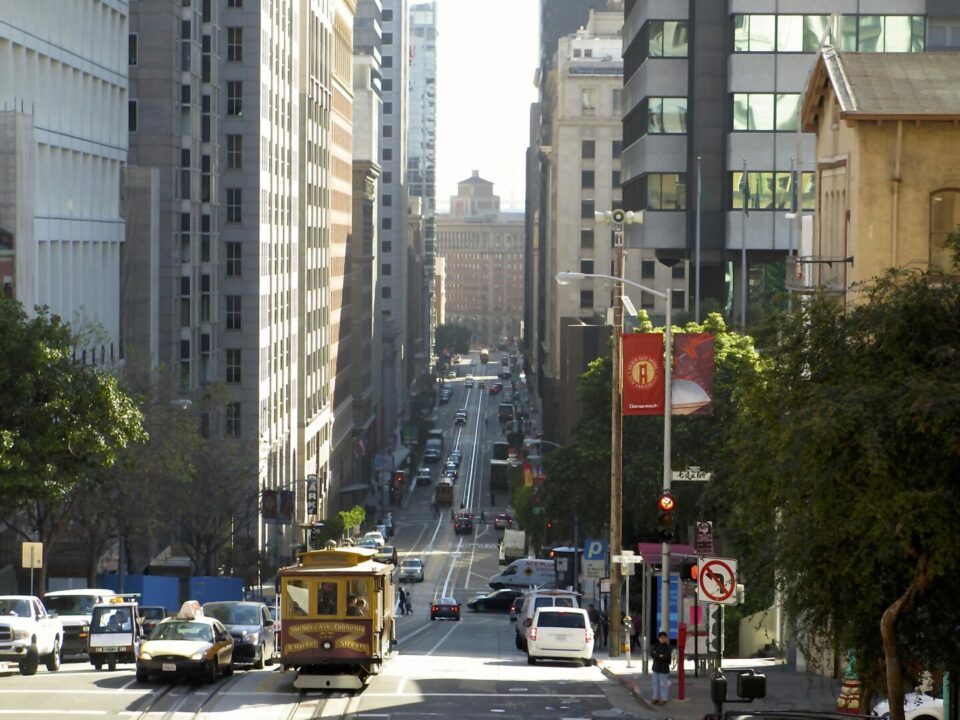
(486, 59)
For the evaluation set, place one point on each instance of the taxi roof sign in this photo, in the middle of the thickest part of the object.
(190, 610)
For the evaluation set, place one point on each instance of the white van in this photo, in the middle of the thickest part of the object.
(533, 601)
(562, 634)
(524, 573)
(75, 609)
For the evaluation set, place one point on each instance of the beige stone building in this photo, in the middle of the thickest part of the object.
(888, 164)
(483, 255)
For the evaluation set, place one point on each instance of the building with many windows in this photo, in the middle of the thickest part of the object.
(713, 94)
(482, 250)
(63, 144)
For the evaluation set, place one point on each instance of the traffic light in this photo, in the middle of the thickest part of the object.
(666, 520)
(690, 569)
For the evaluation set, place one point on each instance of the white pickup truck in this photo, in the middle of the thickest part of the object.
(29, 634)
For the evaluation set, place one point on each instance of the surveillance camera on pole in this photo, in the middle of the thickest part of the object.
(619, 217)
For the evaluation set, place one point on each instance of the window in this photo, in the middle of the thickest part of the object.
(386, 223)
(648, 269)
(586, 299)
(665, 191)
(386, 246)
(615, 100)
(616, 149)
(233, 366)
(387, 177)
(588, 101)
(678, 299)
(184, 363)
(754, 33)
(387, 270)
(232, 427)
(388, 153)
(234, 44)
(586, 179)
(667, 38)
(388, 131)
(588, 149)
(615, 179)
(586, 266)
(586, 209)
(234, 3)
(233, 312)
(388, 200)
(586, 237)
(767, 190)
(388, 61)
(234, 152)
(387, 84)
(234, 97)
(944, 219)
(801, 33)
(132, 49)
(678, 271)
(388, 108)
(234, 258)
(132, 116)
(234, 205)
(765, 111)
(205, 297)
(388, 38)
(205, 237)
(386, 292)
(387, 15)
(666, 116)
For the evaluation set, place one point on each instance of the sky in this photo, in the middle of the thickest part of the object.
(486, 59)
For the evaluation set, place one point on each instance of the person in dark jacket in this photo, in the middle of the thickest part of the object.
(661, 669)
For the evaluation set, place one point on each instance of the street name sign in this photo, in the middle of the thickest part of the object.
(691, 474)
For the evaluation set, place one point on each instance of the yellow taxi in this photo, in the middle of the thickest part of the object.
(186, 645)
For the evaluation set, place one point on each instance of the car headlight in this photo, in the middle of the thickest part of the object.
(21, 634)
(198, 656)
(85, 628)
(249, 637)
(144, 655)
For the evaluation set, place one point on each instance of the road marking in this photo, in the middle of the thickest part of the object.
(445, 636)
(554, 696)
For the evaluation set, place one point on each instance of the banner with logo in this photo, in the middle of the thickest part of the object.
(643, 374)
(693, 374)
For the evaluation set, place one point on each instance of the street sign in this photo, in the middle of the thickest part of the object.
(717, 581)
(691, 474)
(32, 555)
(628, 559)
(704, 538)
(313, 493)
(594, 550)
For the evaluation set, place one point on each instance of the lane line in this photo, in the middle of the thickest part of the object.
(443, 639)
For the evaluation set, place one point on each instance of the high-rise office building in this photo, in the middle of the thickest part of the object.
(63, 143)
(720, 82)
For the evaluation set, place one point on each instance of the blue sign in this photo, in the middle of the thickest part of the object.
(594, 550)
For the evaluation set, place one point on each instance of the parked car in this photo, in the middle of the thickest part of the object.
(502, 521)
(387, 554)
(366, 542)
(411, 570)
(501, 600)
(561, 634)
(189, 644)
(445, 607)
(515, 608)
(916, 706)
(377, 537)
(250, 625)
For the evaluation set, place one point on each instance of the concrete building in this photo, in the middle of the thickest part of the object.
(422, 161)
(887, 164)
(694, 90)
(392, 212)
(63, 144)
(483, 254)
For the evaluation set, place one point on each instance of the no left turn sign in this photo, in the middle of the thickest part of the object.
(717, 581)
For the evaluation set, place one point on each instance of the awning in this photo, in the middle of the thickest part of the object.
(356, 487)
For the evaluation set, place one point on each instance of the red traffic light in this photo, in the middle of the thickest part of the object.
(666, 503)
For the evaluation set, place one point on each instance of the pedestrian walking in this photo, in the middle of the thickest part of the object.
(604, 629)
(402, 602)
(661, 669)
(407, 604)
(594, 617)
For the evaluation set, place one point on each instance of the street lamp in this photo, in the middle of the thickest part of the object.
(619, 218)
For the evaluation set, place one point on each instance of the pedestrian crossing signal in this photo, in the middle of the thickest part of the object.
(666, 521)
(691, 570)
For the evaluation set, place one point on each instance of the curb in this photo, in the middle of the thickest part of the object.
(633, 687)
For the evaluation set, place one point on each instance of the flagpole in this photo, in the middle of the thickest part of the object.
(697, 267)
(743, 249)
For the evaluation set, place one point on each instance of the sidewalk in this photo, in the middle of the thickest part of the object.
(786, 688)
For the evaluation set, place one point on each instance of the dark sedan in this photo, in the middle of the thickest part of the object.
(499, 600)
(251, 626)
(445, 607)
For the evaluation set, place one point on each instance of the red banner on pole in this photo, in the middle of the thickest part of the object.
(643, 374)
(693, 374)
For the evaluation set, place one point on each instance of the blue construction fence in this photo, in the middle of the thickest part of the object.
(170, 592)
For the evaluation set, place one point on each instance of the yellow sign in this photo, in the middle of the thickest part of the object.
(32, 555)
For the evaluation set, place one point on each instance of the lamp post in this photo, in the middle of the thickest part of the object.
(616, 460)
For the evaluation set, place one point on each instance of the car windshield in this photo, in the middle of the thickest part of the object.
(14, 606)
(411, 563)
(234, 614)
(151, 613)
(70, 604)
(111, 620)
(560, 620)
(191, 631)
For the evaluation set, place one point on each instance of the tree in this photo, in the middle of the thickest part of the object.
(846, 469)
(61, 423)
(353, 518)
(455, 338)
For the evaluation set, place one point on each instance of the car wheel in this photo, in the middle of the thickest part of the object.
(531, 660)
(142, 675)
(30, 662)
(258, 660)
(112, 663)
(97, 666)
(210, 676)
(432, 618)
(516, 639)
(228, 670)
(587, 662)
(52, 661)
